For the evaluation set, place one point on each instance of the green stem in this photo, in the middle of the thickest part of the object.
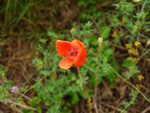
(96, 78)
(82, 82)
(81, 79)
(32, 87)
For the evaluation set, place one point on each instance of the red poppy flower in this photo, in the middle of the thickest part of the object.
(74, 51)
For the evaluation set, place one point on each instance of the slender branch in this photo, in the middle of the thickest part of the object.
(82, 82)
(81, 79)
(129, 84)
(96, 78)
(18, 104)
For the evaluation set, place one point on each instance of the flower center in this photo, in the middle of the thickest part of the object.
(72, 53)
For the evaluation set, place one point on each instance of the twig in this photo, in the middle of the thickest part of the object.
(144, 111)
(18, 104)
(112, 107)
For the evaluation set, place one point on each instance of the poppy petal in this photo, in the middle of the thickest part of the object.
(80, 52)
(80, 58)
(66, 62)
(63, 47)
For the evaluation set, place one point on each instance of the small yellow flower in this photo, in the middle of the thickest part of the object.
(128, 46)
(135, 27)
(121, 22)
(137, 43)
(133, 51)
(5, 102)
(114, 34)
(130, 58)
(138, 86)
(140, 77)
(13, 105)
(133, 59)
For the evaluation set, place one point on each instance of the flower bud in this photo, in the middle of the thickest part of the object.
(100, 40)
(72, 31)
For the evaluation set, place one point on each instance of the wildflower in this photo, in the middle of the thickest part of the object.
(114, 34)
(128, 46)
(140, 77)
(137, 43)
(133, 51)
(136, 0)
(100, 40)
(74, 51)
(138, 86)
(135, 27)
(14, 89)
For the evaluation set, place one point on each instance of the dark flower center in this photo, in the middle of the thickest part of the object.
(72, 53)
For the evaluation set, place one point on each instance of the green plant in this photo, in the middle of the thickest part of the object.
(134, 96)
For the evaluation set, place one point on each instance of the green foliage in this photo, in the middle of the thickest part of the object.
(5, 85)
(85, 2)
(125, 7)
(133, 95)
(53, 85)
(105, 32)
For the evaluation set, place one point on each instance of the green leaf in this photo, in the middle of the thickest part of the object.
(86, 94)
(74, 98)
(105, 32)
(92, 80)
(47, 103)
(127, 63)
(36, 99)
(91, 9)
(94, 41)
(28, 111)
(108, 52)
(115, 65)
(83, 16)
(72, 76)
(39, 109)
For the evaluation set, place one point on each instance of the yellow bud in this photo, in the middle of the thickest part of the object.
(72, 31)
(100, 40)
